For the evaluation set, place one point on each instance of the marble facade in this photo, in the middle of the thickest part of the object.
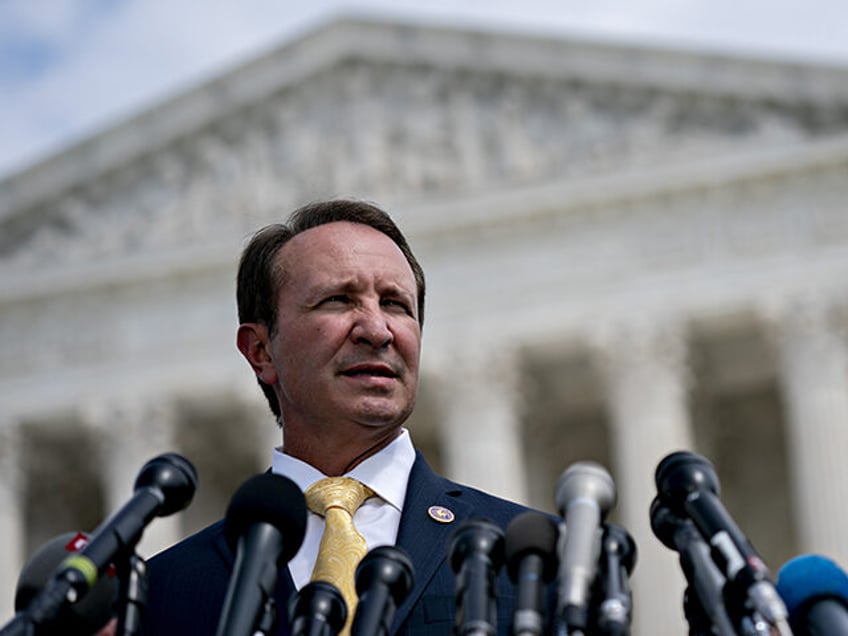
(629, 251)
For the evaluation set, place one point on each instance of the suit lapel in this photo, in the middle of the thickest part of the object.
(421, 534)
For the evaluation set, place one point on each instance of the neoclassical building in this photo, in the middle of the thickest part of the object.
(629, 251)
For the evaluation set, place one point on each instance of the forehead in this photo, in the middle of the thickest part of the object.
(341, 248)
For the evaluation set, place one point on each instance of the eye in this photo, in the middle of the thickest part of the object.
(336, 299)
(397, 304)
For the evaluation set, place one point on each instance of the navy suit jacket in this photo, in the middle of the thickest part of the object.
(188, 582)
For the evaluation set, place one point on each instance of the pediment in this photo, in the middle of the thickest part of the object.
(400, 113)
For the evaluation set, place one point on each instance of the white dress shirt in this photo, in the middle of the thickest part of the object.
(378, 519)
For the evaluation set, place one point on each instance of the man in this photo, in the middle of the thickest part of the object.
(331, 307)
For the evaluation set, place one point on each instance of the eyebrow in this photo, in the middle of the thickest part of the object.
(349, 285)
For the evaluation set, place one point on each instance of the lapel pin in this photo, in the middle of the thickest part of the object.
(441, 514)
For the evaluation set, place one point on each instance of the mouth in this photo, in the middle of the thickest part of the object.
(370, 370)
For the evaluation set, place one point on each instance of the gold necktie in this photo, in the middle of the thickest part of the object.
(342, 547)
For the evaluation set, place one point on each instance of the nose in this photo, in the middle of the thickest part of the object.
(372, 328)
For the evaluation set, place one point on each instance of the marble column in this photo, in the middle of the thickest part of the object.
(644, 372)
(480, 427)
(814, 375)
(132, 433)
(12, 531)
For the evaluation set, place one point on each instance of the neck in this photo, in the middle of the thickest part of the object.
(337, 455)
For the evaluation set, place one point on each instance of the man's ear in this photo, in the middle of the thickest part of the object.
(254, 342)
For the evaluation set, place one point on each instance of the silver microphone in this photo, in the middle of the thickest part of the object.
(585, 493)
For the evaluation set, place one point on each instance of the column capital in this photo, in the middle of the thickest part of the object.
(640, 341)
(138, 418)
(476, 371)
(810, 312)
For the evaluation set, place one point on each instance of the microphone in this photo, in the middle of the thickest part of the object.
(531, 561)
(384, 578)
(83, 618)
(688, 484)
(476, 553)
(618, 558)
(318, 609)
(585, 493)
(264, 525)
(815, 591)
(705, 580)
(165, 485)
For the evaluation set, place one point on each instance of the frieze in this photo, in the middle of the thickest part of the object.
(391, 132)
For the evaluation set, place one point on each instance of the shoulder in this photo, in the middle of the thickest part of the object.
(478, 502)
(496, 508)
(203, 550)
(193, 573)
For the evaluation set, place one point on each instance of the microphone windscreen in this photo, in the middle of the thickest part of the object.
(174, 476)
(532, 533)
(272, 499)
(809, 578)
(586, 480)
(82, 618)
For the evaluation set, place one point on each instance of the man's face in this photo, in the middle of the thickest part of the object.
(347, 340)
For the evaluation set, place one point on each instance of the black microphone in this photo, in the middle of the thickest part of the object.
(815, 591)
(165, 485)
(83, 618)
(318, 609)
(618, 558)
(531, 561)
(585, 493)
(264, 525)
(704, 603)
(384, 578)
(688, 484)
(476, 553)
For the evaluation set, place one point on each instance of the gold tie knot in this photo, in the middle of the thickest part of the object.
(337, 492)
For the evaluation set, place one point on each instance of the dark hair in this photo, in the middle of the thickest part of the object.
(260, 276)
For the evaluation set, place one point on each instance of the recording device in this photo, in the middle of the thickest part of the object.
(318, 609)
(531, 561)
(688, 484)
(83, 618)
(476, 553)
(618, 558)
(165, 485)
(264, 525)
(703, 602)
(384, 578)
(585, 493)
(815, 591)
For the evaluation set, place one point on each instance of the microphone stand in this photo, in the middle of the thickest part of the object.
(267, 617)
(703, 601)
(132, 595)
(617, 558)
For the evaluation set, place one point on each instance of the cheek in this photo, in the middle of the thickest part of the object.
(409, 344)
(314, 345)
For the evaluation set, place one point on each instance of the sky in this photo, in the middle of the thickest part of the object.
(70, 68)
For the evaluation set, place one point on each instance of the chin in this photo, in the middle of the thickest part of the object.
(382, 418)
(377, 421)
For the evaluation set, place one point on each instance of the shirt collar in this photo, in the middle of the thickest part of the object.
(386, 472)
